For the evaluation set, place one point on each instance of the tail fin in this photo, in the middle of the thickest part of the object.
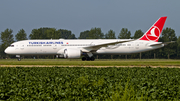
(155, 30)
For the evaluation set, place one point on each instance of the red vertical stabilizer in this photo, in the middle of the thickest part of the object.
(154, 32)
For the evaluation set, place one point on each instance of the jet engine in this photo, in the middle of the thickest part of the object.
(71, 53)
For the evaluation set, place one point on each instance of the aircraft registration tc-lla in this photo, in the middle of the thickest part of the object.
(75, 48)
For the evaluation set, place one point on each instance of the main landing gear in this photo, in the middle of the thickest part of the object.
(88, 58)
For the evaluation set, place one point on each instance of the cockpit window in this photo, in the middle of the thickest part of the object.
(12, 46)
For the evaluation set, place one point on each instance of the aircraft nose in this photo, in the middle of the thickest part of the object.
(7, 50)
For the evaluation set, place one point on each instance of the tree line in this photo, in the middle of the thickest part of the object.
(168, 34)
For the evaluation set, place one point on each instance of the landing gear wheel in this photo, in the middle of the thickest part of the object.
(83, 58)
(88, 59)
(92, 58)
(19, 59)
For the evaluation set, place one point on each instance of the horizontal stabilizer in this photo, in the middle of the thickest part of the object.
(161, 43)
(166, 43)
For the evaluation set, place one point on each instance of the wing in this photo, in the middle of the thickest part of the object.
(94, 48)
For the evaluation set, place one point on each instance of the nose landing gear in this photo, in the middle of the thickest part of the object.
(18, 57)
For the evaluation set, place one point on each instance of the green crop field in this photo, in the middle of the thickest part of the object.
(79, 83)
(101, 62)
(84, 84)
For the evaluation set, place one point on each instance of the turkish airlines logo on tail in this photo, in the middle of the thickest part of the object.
(153, 34)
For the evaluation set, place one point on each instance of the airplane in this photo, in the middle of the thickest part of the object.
(75, 48)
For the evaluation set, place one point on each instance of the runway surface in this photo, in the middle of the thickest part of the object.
(88, 66)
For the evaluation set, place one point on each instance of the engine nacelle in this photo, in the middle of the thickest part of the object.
(72, 53)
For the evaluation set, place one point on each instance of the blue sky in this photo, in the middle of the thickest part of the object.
(81, 15)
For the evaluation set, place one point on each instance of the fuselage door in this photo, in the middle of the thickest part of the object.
(55, 46)
(16, 47)
(22, 46)
(137, 45)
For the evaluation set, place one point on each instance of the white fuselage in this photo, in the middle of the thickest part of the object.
(56, 47)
